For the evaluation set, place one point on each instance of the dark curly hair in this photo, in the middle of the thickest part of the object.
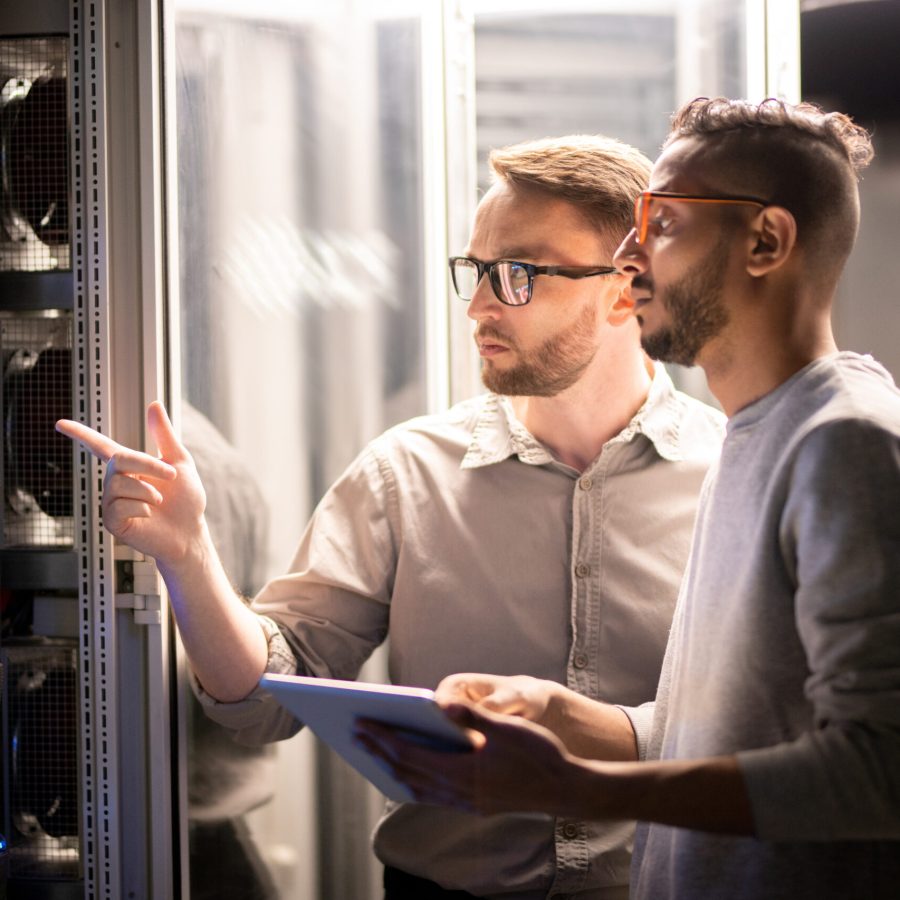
(795, 155)
(720, 115)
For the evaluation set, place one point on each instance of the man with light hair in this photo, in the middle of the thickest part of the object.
(770, 765)
(542, 527)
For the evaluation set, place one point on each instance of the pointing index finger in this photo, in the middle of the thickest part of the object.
(101, 446)
(105, 448)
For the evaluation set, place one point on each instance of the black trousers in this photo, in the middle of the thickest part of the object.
(400, 886)
(225, 864)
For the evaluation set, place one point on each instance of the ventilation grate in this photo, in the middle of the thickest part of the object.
(41, 746)
(34, 155)
(36, 390)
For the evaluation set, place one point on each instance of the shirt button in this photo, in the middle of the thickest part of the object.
(570, 831)
(586, 483)
(582, 570)
(580, 661)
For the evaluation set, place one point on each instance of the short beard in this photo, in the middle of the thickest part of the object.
(696, 311)
(550, 369)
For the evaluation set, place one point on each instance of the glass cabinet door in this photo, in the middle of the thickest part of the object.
(302, 327)
(303, 164)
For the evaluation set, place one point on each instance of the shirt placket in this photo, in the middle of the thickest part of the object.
(571, 835)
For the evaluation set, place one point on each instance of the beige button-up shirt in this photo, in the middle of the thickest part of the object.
(461, 536)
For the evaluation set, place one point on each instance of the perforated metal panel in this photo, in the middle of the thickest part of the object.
(35, 391)
(100, 769)
(34, 154)
(41, 744)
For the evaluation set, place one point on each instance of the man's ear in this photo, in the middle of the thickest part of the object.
(623, 308)
(773, 240)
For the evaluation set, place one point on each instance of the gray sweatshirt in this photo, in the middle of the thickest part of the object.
(785, 649)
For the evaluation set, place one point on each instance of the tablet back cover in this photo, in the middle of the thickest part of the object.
(329, 708)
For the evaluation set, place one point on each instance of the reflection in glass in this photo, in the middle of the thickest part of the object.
(301, 284)
(620, 69)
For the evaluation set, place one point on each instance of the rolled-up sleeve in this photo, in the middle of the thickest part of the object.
(257, 719)
(326, 616)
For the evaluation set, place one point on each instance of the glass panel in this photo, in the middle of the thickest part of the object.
(547, 68)
(302, 320)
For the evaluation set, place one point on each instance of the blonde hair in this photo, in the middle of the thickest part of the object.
(599, 175)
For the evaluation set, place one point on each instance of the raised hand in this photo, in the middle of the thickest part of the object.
(154, 505)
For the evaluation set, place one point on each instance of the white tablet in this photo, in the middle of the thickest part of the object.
(330, 709)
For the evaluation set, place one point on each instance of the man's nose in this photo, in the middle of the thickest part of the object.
(484, 303)
(631, 257)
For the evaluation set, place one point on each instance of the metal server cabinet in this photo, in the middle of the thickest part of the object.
(87, 777)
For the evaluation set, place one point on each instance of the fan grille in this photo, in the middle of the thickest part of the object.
(41, 808)
(34, 155)
(35, 391)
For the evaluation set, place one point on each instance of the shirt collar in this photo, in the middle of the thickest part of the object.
(498, 434)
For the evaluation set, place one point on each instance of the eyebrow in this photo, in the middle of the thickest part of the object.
(665, 203)
(540, 251)
(662, 201)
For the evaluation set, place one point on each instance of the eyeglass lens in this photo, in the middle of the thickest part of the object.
(515, 286)
(509, 280)
(642, 216)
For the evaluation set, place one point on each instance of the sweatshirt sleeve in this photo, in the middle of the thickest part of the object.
(840, 538)
(641, 718)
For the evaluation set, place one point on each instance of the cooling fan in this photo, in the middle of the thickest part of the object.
(36, 390)
(35, 159)
(34, 155)
(41, 728)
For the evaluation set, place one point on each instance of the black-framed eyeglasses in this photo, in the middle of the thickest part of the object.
(643, 206)
(512, 281)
